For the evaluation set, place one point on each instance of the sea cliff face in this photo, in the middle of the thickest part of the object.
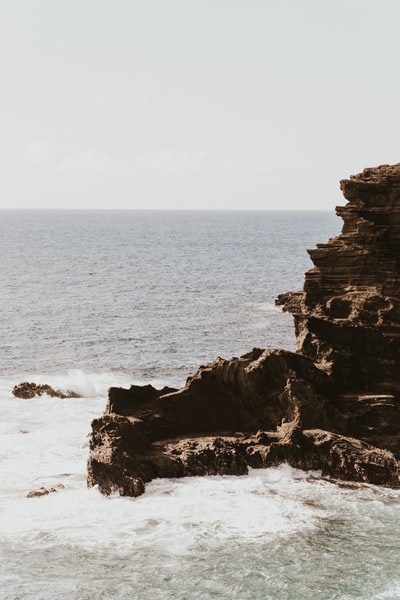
(332, 406)
(347, 317)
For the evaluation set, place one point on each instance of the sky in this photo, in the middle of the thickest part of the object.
(194, 104)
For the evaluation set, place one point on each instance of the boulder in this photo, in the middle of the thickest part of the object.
(29, 390)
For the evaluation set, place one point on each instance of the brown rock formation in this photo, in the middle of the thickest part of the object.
(332, 406)
(347, 318)
(28, 390)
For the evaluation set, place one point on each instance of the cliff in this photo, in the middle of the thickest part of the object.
(332, 406)
(347, 318)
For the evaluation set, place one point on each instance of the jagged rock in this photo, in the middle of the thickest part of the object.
(256, 392)
(30, 390)
(347, 318)
(278, 400)
(122, 401)
(332, 406)
(290, 301)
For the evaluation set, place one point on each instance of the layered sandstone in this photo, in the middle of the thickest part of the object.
(347, 318)
(333, 406)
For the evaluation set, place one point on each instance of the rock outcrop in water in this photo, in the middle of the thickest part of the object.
(28, 389)
(332, 406)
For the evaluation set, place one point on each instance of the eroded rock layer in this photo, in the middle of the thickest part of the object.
(332, 406)
(347, 317)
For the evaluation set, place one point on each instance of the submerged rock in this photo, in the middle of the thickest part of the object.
(332, 406)
(42, 491)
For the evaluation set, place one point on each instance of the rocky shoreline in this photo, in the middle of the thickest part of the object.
(333, 406)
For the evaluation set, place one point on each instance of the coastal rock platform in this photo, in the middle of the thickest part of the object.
(333, 406)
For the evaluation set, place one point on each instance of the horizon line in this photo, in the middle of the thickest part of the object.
(168, 209)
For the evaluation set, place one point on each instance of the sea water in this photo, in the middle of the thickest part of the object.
(93, 299)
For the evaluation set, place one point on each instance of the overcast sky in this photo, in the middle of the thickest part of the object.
(262, 104)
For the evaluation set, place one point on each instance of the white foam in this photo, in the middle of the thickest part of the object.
(391, 593)
(211, 510)
(265, 307)
(43, 442)
(88, 385)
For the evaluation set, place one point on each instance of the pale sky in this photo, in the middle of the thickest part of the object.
(226, 104)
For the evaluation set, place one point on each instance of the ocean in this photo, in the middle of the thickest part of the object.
(91, 299)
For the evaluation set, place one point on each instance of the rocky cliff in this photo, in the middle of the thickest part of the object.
(347, 318)
(333, 406)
